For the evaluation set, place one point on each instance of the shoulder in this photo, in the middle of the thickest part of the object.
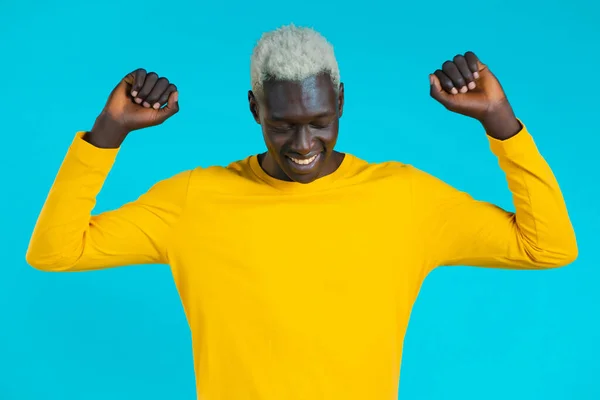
(400, 174)
(177, 186)
(222, 179)
(374, 170)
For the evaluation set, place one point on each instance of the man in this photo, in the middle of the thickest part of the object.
(297, 268)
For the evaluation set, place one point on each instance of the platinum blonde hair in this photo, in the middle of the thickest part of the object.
(294, 54)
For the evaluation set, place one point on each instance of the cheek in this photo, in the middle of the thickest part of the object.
(329, 137)
(274, 142)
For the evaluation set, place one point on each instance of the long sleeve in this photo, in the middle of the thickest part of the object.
(459, 230)
(67, 237)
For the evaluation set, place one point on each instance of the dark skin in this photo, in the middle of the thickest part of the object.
(300, 120)
(467, 86)
(139, 101)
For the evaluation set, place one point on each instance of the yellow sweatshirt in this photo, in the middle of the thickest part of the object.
(299, 291)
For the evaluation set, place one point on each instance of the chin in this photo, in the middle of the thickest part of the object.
(308, 178)
(302, 177)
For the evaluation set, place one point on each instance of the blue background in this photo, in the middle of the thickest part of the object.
(121, 333)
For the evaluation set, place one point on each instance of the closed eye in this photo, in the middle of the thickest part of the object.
(282, 128)
(321, 124)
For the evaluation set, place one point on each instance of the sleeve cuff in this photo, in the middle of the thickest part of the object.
(520, 143)
(90, 155)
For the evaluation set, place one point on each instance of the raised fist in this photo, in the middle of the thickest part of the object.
(466, 86)
(139, 101)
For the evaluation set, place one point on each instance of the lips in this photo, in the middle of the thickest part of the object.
(303, 161)
(303, 164)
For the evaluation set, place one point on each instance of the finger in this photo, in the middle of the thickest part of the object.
(474, 64)
(463, 68)
(170, 109)
(161, 85)
(137, 79)
(436, 89)
(166, 94)
(445, 82)
(453, 73)
(149, 82)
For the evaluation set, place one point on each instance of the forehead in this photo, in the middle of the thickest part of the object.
(297, 100)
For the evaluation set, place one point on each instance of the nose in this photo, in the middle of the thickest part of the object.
(302, 141)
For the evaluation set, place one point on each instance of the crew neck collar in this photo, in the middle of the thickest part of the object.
(327, 182)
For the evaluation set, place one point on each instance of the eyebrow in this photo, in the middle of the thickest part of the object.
(282, 117)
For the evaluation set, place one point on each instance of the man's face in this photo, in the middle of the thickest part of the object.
(300, 122)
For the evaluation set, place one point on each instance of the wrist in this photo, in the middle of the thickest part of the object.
(501, 123)
(106, 133)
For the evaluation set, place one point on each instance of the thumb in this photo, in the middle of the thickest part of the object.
(122, 87)
(170, 109)
(482, 69)
(127, 81)
(436, 91)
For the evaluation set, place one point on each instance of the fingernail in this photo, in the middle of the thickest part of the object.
(138, 100)
(476, 75)
(134, 93)
(454, 91)
(176, 96)
(146, 104)
(472, 85)
(464, 89)
(431, 79)
(156, 106)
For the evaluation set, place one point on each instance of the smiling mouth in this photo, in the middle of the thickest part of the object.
(304, 161)
(303, 165)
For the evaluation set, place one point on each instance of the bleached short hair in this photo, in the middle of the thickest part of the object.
(292, 53)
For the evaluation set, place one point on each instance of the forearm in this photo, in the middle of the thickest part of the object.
(67, 237)
(463, 231)
(541, 216)
(58, 236)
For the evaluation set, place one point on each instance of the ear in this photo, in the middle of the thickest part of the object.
(253, 103)
(341, 100)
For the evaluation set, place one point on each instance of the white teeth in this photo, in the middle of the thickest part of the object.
(304, 162)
